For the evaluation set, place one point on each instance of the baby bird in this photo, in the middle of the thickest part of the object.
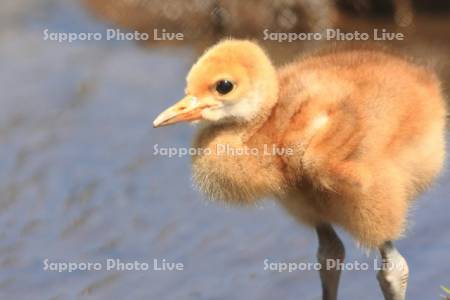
(346, 138)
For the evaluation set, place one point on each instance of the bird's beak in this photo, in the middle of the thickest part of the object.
(187, 109)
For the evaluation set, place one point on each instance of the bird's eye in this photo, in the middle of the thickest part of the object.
(224, 87)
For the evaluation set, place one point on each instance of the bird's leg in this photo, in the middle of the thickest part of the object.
(393, 276)
(330, 248)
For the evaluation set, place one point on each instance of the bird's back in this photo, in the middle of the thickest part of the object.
(381, 110)
(368, 131)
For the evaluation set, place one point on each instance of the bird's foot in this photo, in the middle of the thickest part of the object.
(330, 248)
(393, 277)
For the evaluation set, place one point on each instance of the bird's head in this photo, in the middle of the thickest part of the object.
(234, 81)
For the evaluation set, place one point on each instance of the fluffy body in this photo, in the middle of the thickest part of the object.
(362, 130)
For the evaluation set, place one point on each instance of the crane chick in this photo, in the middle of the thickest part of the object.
(345, 138)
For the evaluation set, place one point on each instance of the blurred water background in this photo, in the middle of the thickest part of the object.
(79, 181)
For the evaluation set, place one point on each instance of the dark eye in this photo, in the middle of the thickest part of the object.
(224, 86)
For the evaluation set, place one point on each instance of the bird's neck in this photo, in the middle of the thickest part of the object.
(251, 127)
(233, 164)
